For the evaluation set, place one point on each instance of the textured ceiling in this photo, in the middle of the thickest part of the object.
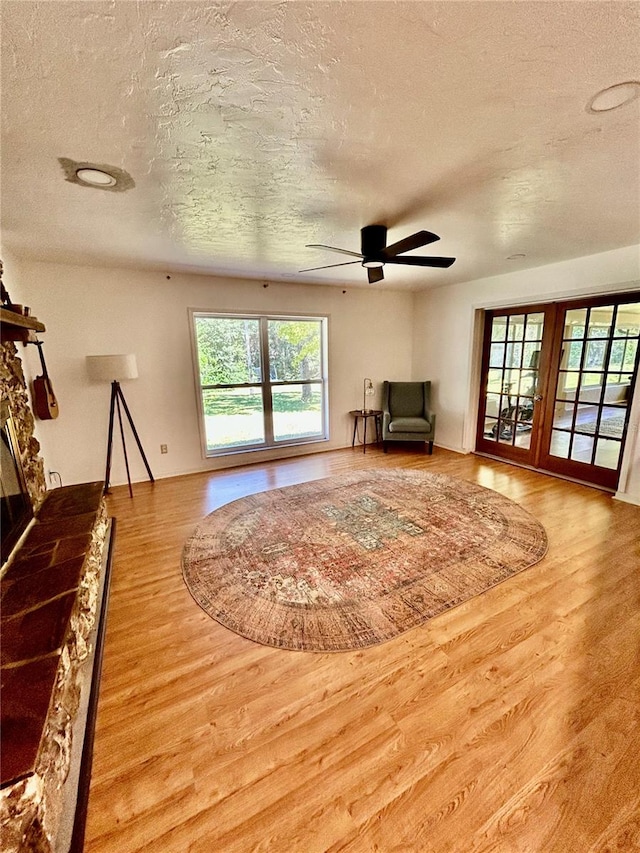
(252, 129)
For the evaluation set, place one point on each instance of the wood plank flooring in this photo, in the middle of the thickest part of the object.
(507, 725)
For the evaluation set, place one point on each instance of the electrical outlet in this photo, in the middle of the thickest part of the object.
(163, 448)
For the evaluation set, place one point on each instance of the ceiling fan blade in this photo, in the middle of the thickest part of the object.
(415, 241)
(375, 274)
(422, 262)
(328, 267)
(333, 249)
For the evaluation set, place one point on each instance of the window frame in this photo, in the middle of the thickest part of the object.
(266, 384)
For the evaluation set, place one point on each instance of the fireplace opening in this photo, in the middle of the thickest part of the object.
(17, 510)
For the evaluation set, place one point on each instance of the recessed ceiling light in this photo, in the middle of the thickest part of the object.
(95, 178)
(516, 257)
(614, 96)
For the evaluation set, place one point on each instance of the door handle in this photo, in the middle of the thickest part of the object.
(538, 397)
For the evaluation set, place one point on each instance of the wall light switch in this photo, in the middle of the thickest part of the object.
(163, 448)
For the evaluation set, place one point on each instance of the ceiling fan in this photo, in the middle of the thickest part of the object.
(375, 253)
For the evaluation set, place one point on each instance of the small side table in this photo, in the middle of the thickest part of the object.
(376, 414)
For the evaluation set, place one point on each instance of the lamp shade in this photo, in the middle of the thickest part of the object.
(106, 368)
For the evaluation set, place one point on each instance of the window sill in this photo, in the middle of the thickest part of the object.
(264, 448)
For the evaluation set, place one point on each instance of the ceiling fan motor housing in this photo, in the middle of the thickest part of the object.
(373, 242)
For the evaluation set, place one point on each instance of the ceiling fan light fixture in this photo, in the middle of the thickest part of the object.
(372, 265)
(614, 96)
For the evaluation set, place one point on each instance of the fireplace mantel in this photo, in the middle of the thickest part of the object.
(17, 327)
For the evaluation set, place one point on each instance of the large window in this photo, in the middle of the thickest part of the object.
(262, 381)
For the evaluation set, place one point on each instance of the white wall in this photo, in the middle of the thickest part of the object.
(377, 333)
(93, 311)
(446, 339)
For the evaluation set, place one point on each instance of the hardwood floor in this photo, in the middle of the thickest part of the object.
(510, 723)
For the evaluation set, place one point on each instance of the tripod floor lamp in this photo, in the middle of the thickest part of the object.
(113, 368)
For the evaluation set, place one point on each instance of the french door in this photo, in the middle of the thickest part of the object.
(557, 384)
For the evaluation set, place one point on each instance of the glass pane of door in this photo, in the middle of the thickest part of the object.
(593, 387)
(512, 379)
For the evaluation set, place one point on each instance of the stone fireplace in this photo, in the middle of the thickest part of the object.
(52, 585)
(16, 503)
(13, 391)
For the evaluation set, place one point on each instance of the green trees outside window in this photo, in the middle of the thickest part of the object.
(262, 380)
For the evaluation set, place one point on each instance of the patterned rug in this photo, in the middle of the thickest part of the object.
(611, 427)
(355, 560)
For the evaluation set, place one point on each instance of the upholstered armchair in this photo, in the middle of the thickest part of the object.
(405, 413)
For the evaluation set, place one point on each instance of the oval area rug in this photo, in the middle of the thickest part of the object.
(354, 560)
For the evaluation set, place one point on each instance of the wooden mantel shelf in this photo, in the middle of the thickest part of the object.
(16, 327)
